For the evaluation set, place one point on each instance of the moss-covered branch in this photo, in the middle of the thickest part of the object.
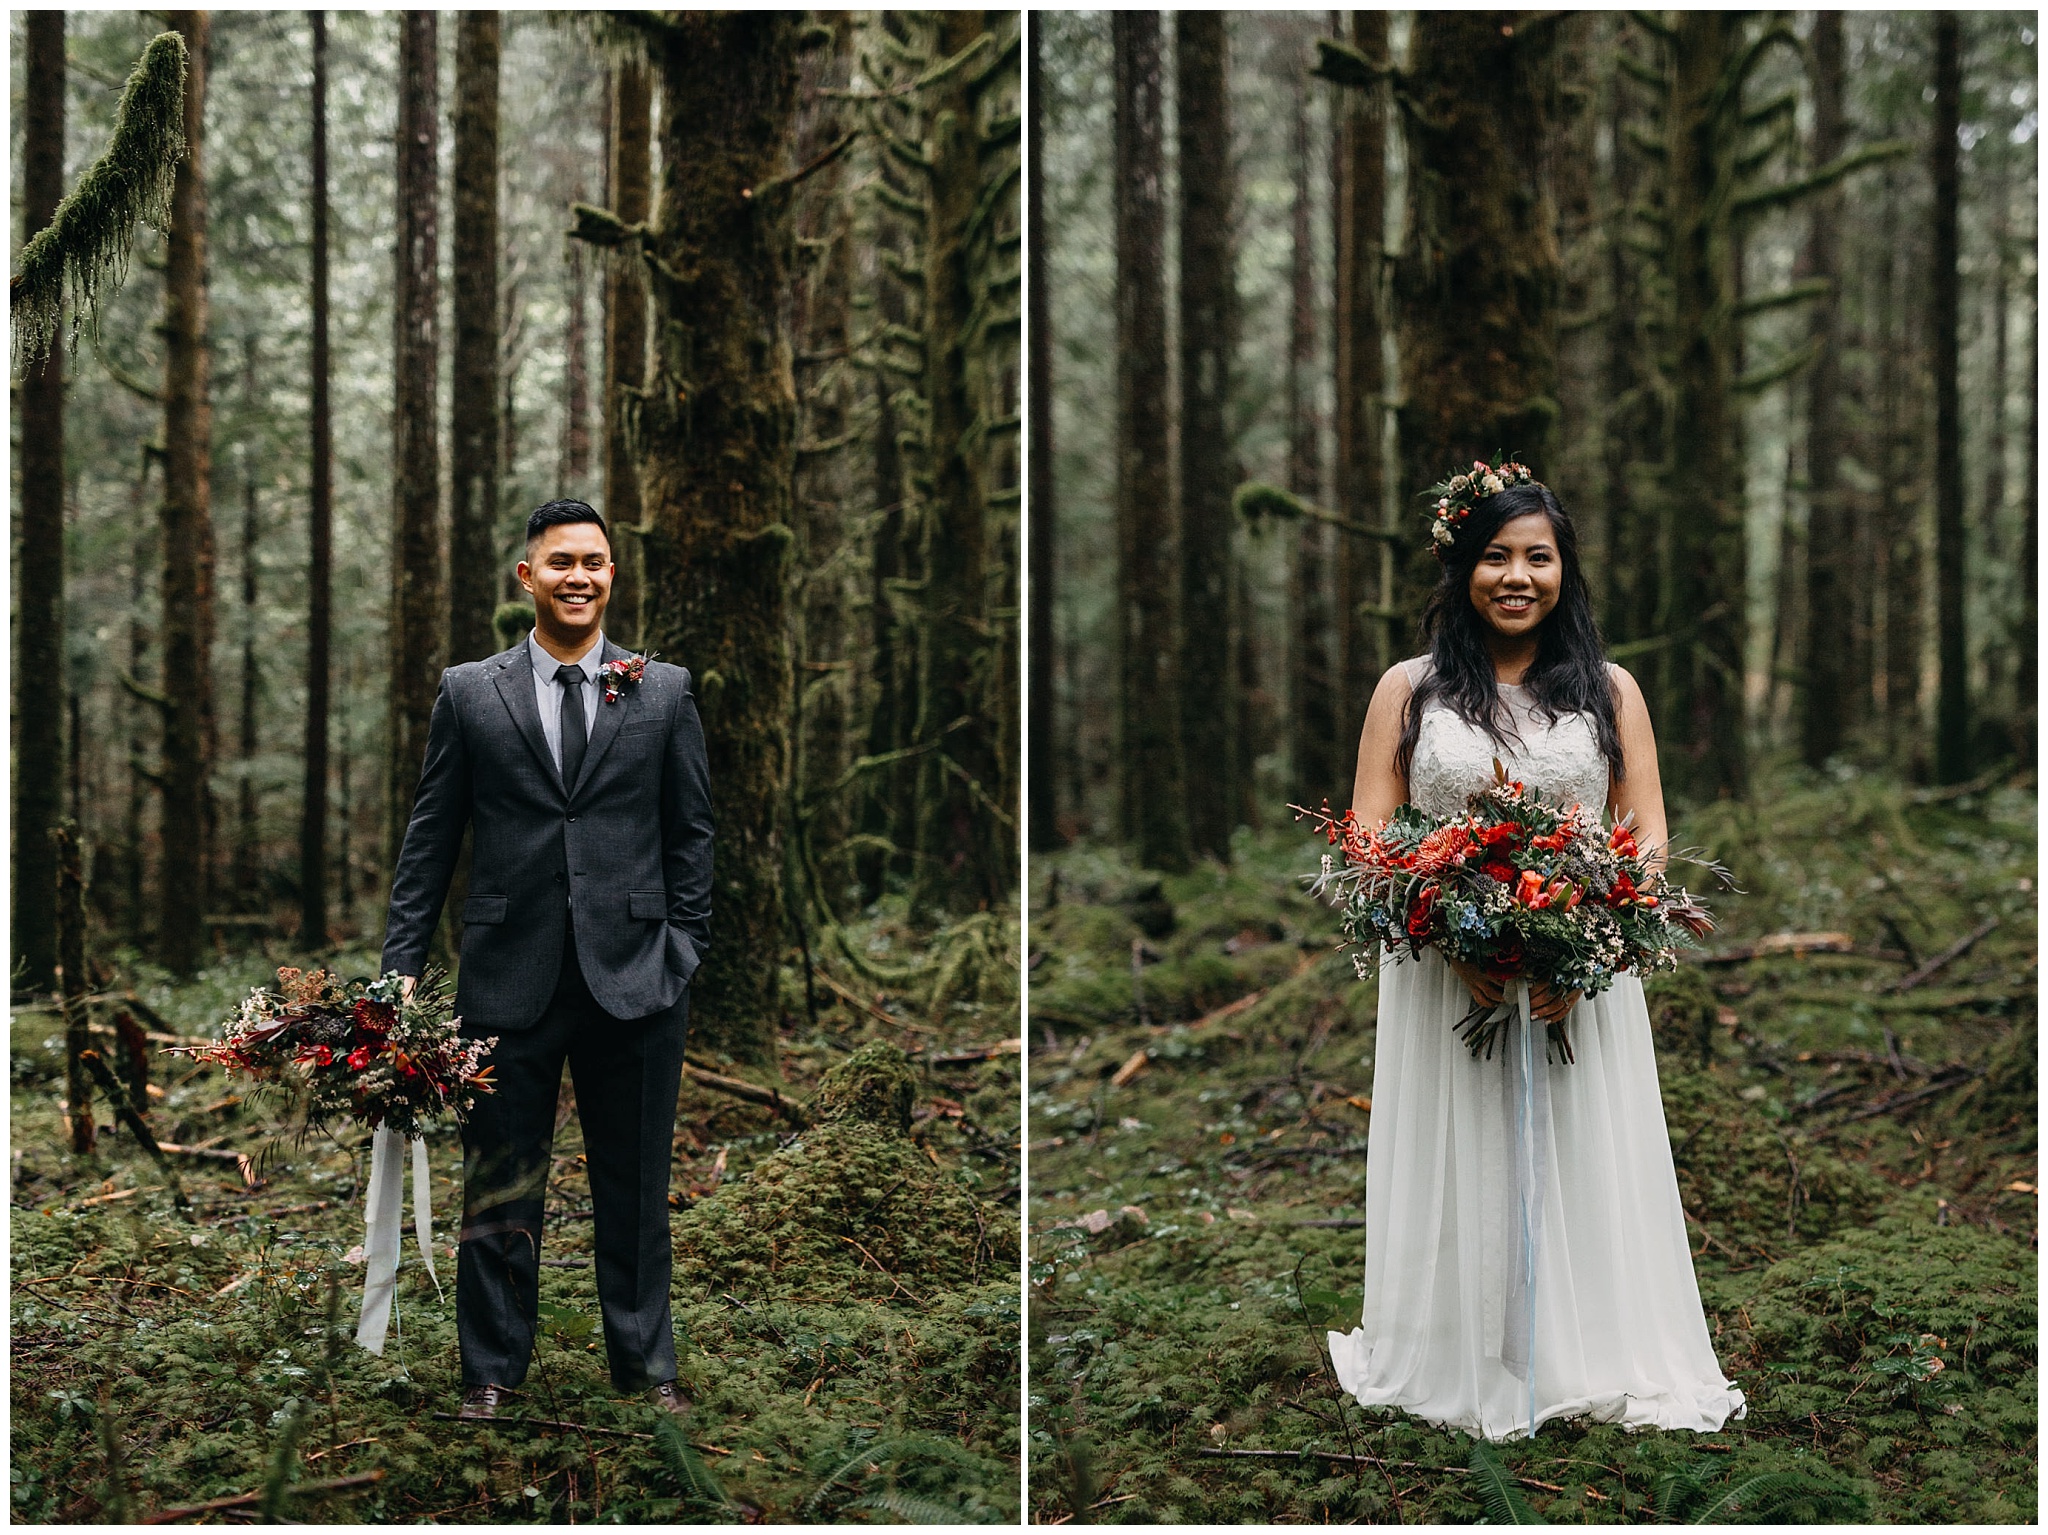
(87, 242)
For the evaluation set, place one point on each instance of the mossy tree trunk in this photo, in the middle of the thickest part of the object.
(717, 465)
(1829, 546)
(1048, 739)
(1952, 762)
(319, 538)
(473, 557)
(1631, 426)
(1311, 720)
(1476, 286)
(1210, 686)
(247, 847)
(39, 599)
(625, 315)
(419, 623)
(966, 825)
(1697, 699)
(187, 522)
(827, 508)
(1154, 805)
(1362, 609)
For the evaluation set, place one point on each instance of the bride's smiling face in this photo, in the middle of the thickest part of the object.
(1519, 576)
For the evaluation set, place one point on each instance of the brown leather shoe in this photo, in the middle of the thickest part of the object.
(482, 1401)
(668, 1396)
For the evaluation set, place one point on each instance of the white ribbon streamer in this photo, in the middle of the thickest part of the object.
(1526, 1087)
(381, 1217)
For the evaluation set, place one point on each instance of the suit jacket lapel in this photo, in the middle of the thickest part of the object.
(515, 686)
(605, 729)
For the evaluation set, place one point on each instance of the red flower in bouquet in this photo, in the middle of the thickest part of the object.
(1419, 917)
(361, 1050)
(1444, 848)
(1494, 869)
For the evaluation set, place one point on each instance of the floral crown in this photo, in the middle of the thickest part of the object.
(1458, 493)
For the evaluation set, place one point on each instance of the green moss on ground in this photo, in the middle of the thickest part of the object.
(159, 1363)
(1197, 1229)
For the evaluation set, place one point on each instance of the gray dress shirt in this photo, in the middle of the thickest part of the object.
(547, 692)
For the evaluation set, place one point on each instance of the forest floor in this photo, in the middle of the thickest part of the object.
(1857, 1165)
(161, 1361)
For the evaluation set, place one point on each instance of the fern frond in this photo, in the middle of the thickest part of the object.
(1504, 1501)
(693, 1477)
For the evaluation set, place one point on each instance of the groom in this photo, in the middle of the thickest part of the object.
(589, 905)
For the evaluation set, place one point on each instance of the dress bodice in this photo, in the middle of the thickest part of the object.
(1561, 759)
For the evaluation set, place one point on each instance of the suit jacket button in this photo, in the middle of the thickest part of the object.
(572, 818)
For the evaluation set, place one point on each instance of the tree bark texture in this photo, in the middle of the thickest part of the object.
(248, 832)
(473, 513)
(1364, 610)
(718, 460)
(418, 624)
(319, 538)
(70, 909)
(1697, 699)
(1208, 469)
(625, 310)
(1311, 721)
(187, 535)
(574, 477)
(1952, 708)
(1047, 738)
(1154, 805)
(1829, 545)
(1476, 288)
(39, 591)
(965, 832)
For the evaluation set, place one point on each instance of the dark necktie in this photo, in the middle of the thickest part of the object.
(575, 734)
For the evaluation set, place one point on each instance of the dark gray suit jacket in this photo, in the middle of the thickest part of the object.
(630, 840)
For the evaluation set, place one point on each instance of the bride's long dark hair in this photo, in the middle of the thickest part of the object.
(1569, 674)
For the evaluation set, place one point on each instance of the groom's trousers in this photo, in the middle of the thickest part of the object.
(626, 1073)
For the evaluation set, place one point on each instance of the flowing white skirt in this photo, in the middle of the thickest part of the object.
(1618, 1332)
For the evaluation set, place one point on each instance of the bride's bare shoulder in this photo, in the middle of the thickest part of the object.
(1627, 692)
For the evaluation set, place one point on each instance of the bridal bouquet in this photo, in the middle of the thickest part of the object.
(1514, 886)
(357, 1049)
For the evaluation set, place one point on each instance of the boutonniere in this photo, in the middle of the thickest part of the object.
(617, 675)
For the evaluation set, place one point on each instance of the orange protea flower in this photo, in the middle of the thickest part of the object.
(1442, 848)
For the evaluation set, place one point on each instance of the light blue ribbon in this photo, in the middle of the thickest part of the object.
(1530, 1160)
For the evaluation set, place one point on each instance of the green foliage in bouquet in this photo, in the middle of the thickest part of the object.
(1514, 886)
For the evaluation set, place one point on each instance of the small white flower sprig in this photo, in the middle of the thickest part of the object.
(1456, 495)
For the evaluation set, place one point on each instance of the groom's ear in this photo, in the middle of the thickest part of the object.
(525, 573)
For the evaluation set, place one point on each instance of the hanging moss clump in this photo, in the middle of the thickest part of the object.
(851, 1209)
(89, 236)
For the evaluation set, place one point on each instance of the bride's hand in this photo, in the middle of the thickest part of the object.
(1486, 991)
(1551, 1006)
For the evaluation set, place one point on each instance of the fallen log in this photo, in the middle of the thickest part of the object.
(975, 1053)
(246, 1499)
(767, 1097)
(1953, 952)
(1955, 1077)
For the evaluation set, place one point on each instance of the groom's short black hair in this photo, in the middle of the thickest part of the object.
(558, 513)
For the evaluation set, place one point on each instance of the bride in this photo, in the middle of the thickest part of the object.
(1487, 1310)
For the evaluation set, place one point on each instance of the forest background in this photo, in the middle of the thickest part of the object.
(1756, 294)
(751, 286)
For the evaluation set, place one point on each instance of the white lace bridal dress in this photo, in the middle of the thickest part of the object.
(1452, 1320)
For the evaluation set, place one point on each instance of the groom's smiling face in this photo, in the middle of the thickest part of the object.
(569, 570)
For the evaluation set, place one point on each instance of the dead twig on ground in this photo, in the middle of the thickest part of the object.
(1949, 955)
(767, 1097)
(250, 1499)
